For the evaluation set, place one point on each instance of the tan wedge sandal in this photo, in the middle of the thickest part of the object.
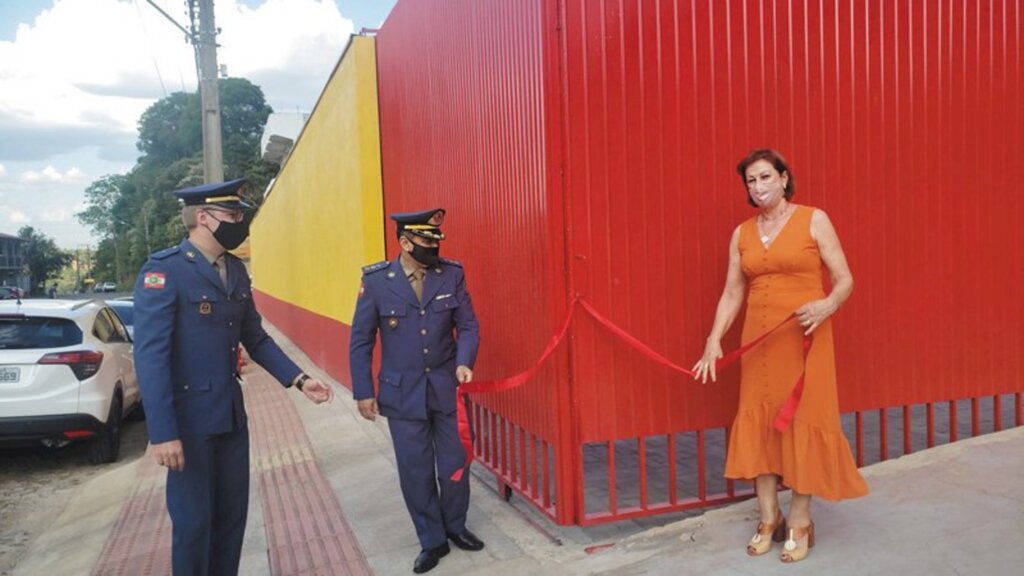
(761, 543)
(799, 545)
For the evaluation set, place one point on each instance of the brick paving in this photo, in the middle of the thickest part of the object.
(306, 529)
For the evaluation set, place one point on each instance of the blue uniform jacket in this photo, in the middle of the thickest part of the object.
(187, 330)
(418, 341)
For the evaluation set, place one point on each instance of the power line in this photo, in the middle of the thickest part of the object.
(149, 41)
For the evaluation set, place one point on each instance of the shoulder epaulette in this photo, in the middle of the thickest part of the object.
(166, 252)
(451, 262)
(375, 267)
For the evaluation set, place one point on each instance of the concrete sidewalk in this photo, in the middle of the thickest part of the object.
(956, 509)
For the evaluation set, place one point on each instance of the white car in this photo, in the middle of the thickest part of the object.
(66, 374)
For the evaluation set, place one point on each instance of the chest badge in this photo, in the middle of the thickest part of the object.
(393, 323)
(205, 308)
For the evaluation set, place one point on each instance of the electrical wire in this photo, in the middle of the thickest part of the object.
(149, 42)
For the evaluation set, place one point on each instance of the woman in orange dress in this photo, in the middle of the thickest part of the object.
(777, 257)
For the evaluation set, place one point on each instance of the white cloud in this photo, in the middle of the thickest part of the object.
(51, 174)
(15, 216)
(65, 83)
(72, 90)
(58, 215)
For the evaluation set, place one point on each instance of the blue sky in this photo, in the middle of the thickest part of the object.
(71, 93)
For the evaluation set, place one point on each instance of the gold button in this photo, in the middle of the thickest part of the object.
(427, 369)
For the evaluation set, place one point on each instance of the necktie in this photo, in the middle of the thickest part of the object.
(222, 270)
(417, 283)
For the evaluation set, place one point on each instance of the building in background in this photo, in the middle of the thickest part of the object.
(280, 133)
(12, 262)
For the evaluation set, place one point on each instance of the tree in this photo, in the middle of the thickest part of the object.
(43, 259)
(135, 214)
(108, 217)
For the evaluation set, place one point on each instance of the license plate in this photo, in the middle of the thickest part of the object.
(9, 375)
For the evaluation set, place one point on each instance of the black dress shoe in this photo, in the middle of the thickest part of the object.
(429, 558)
(466, 540)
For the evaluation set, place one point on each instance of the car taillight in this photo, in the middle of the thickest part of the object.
(84, 363)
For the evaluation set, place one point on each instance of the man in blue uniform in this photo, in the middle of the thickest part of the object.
(419, 305)
(193, 306)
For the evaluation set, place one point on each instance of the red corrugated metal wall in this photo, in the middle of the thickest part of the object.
(901, 119)
(464, 126)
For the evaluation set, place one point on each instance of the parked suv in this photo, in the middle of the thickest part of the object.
(66, 374)
(106, 287)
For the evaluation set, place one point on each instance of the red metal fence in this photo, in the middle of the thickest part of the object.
(587, 147)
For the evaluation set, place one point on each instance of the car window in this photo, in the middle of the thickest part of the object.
(37, 332)
(103, 328)
(122, 332)
(125, 313)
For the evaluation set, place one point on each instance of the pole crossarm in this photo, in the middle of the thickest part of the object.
(188, 33)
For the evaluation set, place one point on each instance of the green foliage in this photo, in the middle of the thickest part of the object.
(135, 214)
(43, 259)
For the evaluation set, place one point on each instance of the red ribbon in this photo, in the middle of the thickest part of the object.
(782, 420)
(785, 416)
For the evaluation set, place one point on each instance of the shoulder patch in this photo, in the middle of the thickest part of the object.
(375, 267)
(451, 262)
(165, 253)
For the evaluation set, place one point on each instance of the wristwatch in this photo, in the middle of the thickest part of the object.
(302, 380)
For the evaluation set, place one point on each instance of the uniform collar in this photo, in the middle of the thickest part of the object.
(409, 269)
(204, 266)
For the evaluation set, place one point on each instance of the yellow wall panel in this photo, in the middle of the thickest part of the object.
(323, 218)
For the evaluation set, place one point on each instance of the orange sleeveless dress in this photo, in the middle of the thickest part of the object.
(812, 456)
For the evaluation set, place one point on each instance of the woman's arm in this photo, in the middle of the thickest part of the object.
(728, 308)
(813, 314)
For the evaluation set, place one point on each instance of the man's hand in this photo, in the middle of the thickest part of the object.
(170, 454)
(464, 374)
(317, 391)
(368, 408)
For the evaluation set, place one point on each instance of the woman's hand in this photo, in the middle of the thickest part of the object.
(706, 365)
(814, 314)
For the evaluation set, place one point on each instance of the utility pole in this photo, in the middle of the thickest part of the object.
(206, 46)
(203, 37)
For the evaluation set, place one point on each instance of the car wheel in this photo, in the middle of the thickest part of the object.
(137, 414)
(106, 446)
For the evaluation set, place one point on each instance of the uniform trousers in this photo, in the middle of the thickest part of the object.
(437, 505)
(208, 503)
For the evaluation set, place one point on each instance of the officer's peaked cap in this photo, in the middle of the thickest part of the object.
(426, 224)
(224, 194)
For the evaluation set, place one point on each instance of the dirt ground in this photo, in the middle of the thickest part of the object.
(36, 484)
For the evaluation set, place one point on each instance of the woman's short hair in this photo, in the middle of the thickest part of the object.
(773, 158)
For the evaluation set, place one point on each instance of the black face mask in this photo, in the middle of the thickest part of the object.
(426, 256)
(230, 235)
